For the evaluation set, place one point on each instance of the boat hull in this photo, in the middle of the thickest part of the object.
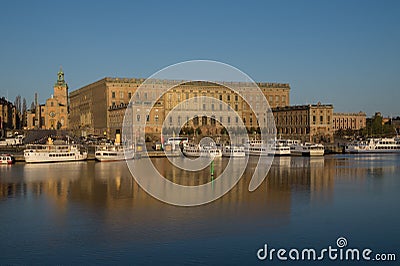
(105, 156)
(355, 151)
(234, 154)
(45, 158)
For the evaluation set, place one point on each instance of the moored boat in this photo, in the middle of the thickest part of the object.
(256, 148)
(191, 149)
(307, 149)
(35, 153)
(107, 153)
(210, 151)
(233, 151)
(281, 147)
(7, 159)
(374, 145)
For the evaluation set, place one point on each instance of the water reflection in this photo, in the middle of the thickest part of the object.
(108, 182)
(97, 211)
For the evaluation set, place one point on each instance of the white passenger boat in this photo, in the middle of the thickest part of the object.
(375, 145)
(7, 159)
(54, 153)
(108, 153)
(191, 149)
(256, 148)
(281, 147)
(307, 149)
(210, 151)
(233, 151)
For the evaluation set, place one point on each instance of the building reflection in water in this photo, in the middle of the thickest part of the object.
(105, 196)
(110, 184)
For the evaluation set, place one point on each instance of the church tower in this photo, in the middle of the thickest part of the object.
(61, 89)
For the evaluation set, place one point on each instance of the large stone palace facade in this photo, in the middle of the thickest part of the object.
(99, 108)
(54, 113)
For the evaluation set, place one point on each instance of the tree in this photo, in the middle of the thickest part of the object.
(24, 109)
(17, 103)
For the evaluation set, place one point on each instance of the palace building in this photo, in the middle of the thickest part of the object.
(99, 108)
(54, 113)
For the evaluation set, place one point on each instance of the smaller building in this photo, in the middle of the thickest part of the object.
(8, 116)
(307, 123)
(349, 121)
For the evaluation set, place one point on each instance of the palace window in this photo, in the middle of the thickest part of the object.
(113, 94)
(121, 94)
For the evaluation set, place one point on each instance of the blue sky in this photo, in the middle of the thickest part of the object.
(340, 52)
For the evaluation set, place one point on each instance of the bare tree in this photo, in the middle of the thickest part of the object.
(24, 109)
(17, 103)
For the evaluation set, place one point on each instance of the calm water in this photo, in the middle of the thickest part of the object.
(95, 213)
